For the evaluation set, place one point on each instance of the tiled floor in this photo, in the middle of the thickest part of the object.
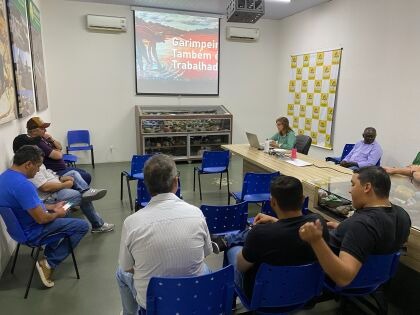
(96, 292)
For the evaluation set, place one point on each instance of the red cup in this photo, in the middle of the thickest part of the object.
(294, 153)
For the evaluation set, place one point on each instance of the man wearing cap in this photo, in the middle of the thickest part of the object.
(53, 157)
(37, 219)
(69, 187)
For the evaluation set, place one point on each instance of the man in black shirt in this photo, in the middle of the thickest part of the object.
(273, 241)
(377, 227)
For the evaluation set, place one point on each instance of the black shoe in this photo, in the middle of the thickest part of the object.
(219, 244)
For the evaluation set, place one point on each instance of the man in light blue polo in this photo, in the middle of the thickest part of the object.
(366, 152)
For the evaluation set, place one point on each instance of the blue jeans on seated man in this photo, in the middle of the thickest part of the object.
(235, 242)
(85, 175)
(128, 292)
(79, 183)
(75, 229)
(75, 197)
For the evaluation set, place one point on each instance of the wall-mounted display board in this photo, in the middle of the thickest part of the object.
(8, 106)
(37, 56)
(312, 94)
(22, 61)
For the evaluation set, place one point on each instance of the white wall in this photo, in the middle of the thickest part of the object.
(91, 79)
(379, 79)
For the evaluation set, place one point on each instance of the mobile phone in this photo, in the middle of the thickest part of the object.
(67, 206)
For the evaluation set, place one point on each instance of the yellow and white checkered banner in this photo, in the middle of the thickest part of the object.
(312, 91)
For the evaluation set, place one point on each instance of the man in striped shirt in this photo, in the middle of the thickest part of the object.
(168, 237)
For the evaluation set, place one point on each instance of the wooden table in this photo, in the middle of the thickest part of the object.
(312, 178)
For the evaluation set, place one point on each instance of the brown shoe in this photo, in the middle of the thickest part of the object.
(45, 273)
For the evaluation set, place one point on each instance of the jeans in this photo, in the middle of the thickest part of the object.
(235, 243)
(75, 197)
(79, 182)
(86, 176)
(128, 292)
(75, 229)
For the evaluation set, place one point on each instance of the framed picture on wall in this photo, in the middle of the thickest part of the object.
(22, 60)
(37, 56)
(8, 106)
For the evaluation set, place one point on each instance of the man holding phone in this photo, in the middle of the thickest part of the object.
(72, 188)
(37, 219)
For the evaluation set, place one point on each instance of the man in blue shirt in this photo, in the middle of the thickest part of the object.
(366, 152)
(37, 219)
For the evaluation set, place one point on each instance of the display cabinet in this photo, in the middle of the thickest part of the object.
(183, 132)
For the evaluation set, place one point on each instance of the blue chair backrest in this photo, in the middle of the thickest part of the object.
(257, 183)
(137, 163)
(208, 294)
(280, 286)
(78, 136)
(224, 219)
(376, 270)
(378, 163)
(266, 208)
(12, 225)
(346, 150)
(215, 159)
(143, 196)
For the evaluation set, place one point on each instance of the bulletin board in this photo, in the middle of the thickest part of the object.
(312, 94)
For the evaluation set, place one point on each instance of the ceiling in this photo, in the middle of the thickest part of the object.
(273, 9)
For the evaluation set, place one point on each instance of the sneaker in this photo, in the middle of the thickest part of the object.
(218, 243)
(93, 194)
(106, 227)
(45, 273)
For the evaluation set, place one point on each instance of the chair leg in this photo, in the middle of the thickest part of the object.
(129, 192)
(32, 252)
(199, 185)
(32, 272)
(220, 183)
(121, 186)
(15, 258)
(73, 257)
(92, 157)
(194, 179)
(227, 178)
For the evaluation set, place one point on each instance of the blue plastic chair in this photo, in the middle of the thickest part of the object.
(282, 289)
(70, 159)
(213, 162)
(136, 173)
(77, 137)
(346, 150)
(223, 220)
(143, 196)
(255, 188)
(377, 270)
(17, 234)
(208, 294)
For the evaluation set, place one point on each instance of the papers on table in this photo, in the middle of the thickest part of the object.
(298, 162)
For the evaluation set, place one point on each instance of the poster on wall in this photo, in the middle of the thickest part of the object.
(312, 94)
(22, 61)
(8, 106)
(37, 56)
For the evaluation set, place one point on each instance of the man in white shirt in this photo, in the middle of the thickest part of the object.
(168, 237)
(70, 187)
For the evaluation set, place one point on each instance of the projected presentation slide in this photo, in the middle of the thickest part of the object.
(176, 53)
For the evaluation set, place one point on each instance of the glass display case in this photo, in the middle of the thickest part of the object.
(182, 131)
(335, 198)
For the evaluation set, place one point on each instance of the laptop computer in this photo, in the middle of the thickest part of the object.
(253, 141)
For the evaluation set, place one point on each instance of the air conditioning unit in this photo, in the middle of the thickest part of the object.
(106, 23)
(242, 34)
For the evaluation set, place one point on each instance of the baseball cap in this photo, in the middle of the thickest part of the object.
(36, 122)
(24, 139)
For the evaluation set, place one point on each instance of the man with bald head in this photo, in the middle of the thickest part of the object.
(366, 152)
